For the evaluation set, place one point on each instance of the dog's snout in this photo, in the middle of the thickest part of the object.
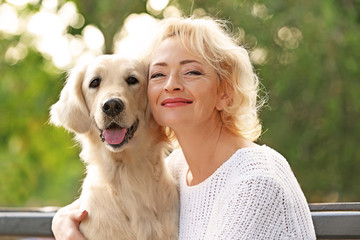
(113, 107)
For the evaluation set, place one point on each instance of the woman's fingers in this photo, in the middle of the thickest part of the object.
(65, 224)
(82, 215)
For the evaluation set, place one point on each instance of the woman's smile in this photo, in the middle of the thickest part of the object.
(176, 102)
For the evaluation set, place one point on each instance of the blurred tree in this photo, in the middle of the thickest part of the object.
(305, 52)
(310, 68)
(109, 16)
(37, 162)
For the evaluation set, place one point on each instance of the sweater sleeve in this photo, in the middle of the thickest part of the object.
(254, 208)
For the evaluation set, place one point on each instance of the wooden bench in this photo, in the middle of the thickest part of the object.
(331, 221)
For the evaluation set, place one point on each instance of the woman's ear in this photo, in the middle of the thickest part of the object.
(71, 111)
(224, 98)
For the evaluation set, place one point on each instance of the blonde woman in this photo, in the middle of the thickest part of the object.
(202, 89)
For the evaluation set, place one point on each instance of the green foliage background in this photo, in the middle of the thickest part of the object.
(313, 87)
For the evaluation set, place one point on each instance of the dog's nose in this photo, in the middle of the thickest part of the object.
(113, 107)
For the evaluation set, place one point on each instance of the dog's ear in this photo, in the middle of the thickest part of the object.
(71, 111)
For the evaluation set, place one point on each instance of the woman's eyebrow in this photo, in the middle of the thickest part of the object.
(183, 62)
(162, 64)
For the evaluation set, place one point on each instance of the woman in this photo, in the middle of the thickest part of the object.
(204, 92)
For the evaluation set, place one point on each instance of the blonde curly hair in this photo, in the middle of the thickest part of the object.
(211, 39)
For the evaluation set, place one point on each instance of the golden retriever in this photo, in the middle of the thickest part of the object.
(127, 191)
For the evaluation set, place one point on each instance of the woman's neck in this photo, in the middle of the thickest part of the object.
(206, 147)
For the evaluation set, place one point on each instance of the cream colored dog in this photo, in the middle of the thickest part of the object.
(127, 191)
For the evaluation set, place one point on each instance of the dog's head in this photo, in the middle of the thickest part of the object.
(107, 95)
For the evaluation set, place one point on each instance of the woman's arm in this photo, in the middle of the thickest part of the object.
(259, 208)
(65, 224)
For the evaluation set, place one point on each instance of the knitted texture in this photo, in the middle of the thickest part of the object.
(253, 195)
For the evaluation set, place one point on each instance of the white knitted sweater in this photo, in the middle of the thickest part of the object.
(253, 195)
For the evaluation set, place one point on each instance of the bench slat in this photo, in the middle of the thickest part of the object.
(345, 206)
(34, 224)
(328, 224)
(338, 225)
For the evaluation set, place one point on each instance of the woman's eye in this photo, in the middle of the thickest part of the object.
(157, 75)
(95, 82)
(193, 73)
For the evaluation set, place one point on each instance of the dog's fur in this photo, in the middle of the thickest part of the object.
(127, 191)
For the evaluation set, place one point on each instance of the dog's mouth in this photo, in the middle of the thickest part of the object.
(116, 136)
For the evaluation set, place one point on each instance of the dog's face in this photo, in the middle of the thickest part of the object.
(114, 92)
(108, 96)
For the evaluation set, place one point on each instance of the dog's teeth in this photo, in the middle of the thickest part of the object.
(102, 137)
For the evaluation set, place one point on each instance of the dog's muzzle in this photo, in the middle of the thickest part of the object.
(116, 135)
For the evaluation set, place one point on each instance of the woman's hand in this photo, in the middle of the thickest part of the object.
(65, 224)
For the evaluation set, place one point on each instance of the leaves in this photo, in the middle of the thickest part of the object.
(305, 52)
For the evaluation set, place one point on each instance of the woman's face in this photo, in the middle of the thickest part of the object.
(182, 88)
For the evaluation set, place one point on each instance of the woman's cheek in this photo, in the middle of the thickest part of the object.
(152, 98)
(151, 93)
(156, 112)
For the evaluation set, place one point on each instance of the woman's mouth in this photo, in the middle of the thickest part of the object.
(176, 102)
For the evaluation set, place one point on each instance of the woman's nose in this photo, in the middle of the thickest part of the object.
(173, 84)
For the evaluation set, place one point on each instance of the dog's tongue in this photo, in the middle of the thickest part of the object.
(114, 136)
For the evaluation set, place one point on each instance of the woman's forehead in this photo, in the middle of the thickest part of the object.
(171, 49)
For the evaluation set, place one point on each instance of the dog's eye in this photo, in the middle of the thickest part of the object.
(95, 82)
(132, 80)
